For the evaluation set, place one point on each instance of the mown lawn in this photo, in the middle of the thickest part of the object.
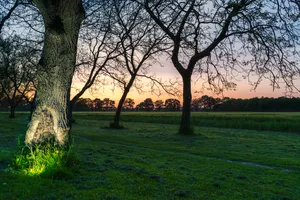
(150, 161)
(272, 121)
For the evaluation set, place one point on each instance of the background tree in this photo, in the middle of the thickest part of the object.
(140, 106)
(31, 97)
(23, 15)
(263, 104)
(97, 48)
(97, 104)
(207, 102)
(158, 104)
(148, 104)
(82, 104)
(128, 104)
(172, 104)
(62, 20)
(218, 38)
(140, 40)
(86, 104)
(17, 71)
(196, 104)
(108, 104)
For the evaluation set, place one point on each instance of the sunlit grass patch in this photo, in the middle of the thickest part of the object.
(45, 160)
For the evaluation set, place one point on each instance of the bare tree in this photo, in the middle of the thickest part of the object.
(97, 48)
(220, 38)
(23, 15)
(17, 71)
(140, 41)
(31, 97)
(62, 20)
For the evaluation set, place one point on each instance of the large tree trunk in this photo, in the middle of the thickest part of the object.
(62, 20)
(185, 124)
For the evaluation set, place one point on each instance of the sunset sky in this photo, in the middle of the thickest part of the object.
(167, 72)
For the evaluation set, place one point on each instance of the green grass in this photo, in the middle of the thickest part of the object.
(43, 160)
(151, 161)
(272, 121)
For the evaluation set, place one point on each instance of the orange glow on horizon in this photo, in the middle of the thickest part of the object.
(243, 91)
(166, 71)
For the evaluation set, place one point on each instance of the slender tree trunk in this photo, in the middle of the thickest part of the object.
(185, 124)
(12, 111)
(119, 108)
(50, 121)
(121, 102)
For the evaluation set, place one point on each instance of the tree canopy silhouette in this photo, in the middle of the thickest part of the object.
(220, 39)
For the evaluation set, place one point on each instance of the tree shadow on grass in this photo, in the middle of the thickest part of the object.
(113, 125)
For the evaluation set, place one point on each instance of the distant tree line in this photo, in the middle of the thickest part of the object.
(204, 103)
(263, 104)
(22, 104)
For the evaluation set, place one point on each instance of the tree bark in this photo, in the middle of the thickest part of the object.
(12, 111)
(185, 124)
(119, 109)
(50, 121)
(121, 102)
(70, 112)
(32, 105)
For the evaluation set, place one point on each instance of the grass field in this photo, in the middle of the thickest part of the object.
(148, 160)
(271, 121)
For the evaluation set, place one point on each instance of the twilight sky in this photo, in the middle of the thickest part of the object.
(167, 72)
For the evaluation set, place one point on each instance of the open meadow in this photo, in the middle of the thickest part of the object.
(231, 156)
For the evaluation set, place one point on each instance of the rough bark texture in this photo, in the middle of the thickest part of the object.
(185, 124)
(62, 20)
